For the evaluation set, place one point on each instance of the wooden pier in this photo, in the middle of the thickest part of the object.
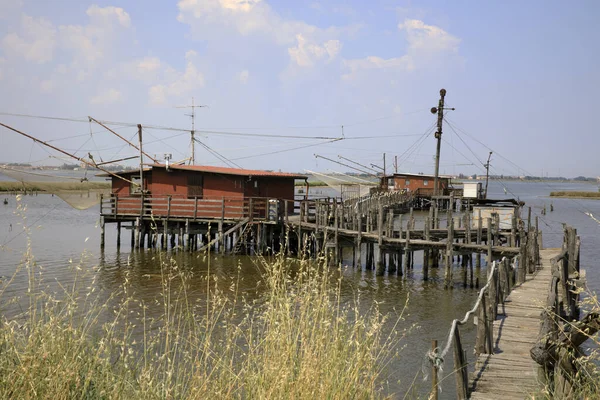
(510, 372)
(519, 315)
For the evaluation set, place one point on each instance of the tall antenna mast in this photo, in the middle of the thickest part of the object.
(193, 131)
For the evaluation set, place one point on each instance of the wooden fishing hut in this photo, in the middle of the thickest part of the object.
(421, 188)
(229, 207)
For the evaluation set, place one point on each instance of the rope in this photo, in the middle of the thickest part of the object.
(436, 357)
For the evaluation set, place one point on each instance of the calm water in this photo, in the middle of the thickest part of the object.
(61, 234)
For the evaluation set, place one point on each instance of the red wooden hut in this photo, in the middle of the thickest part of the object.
(416, 183)
(200, 191)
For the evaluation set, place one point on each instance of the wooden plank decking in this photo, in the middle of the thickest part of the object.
(510, 373)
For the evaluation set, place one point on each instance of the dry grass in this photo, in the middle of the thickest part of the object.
(297, 342)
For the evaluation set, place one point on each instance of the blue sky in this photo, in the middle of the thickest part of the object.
(521, 75)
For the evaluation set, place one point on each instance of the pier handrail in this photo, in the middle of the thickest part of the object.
(495, 293)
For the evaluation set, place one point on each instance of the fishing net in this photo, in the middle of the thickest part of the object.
(347, 186)
(73, 187)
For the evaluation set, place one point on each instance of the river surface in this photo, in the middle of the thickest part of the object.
(60, 235)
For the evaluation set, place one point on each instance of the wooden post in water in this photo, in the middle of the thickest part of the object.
(380, 255)
(137, 233)
(132, 231)
(449, 252)
(434, 372)
(426, 251)
(406, 249)
(118, 234)
(359, 239)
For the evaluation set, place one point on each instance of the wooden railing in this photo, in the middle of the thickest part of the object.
(500, 282)
(561, 331)
(255, 208)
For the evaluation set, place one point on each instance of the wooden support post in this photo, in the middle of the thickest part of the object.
(380, 262)
(426, 251)
(449, 253)
(221, 240)
(434, 372)
(137, 233)
(489, 243)
(522, 272)
(406, 250)
(102, 232)
(132, 234)
(513, 230)
(460, 368)
(118, 234)
(165, 234)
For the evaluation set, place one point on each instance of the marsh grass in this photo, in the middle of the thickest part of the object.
(51, 187)
(576, 194)
(298, 341)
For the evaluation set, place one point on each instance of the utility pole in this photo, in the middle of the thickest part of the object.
(487, 174)
(384, 165)
(438, 135)
(141, 160)
(193, 131)
(395, 164)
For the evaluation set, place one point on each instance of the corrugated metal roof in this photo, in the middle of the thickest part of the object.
(232, 171)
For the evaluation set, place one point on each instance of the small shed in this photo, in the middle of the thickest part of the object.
(472, 190)
(506, 210)
(415, 182)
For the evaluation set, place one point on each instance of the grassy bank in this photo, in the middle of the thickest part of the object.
(296, 342)
(576, 194)
(51, 187)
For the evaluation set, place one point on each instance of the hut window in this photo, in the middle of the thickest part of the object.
(195, 184)
(390, 181)
(135, 186)
(407, 182)
(425, 182)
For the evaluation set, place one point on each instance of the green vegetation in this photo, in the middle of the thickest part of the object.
(296, 342)
(51, 187)
(575, 194)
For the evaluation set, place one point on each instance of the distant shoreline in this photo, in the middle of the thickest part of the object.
(576, 195)
(51, 187)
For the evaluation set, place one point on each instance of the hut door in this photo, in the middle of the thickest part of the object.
(195, 184)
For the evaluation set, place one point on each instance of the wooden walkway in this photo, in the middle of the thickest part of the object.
(511, 373)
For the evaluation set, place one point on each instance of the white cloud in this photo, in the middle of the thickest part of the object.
(424, 43)
(177, 83)
(36, 41)
(423, 37)
(304, 42)
(108, 14)
(373, 62)
(306, 54)
(148, 64)
(243, 76)
(90, 43)
(108, 96)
